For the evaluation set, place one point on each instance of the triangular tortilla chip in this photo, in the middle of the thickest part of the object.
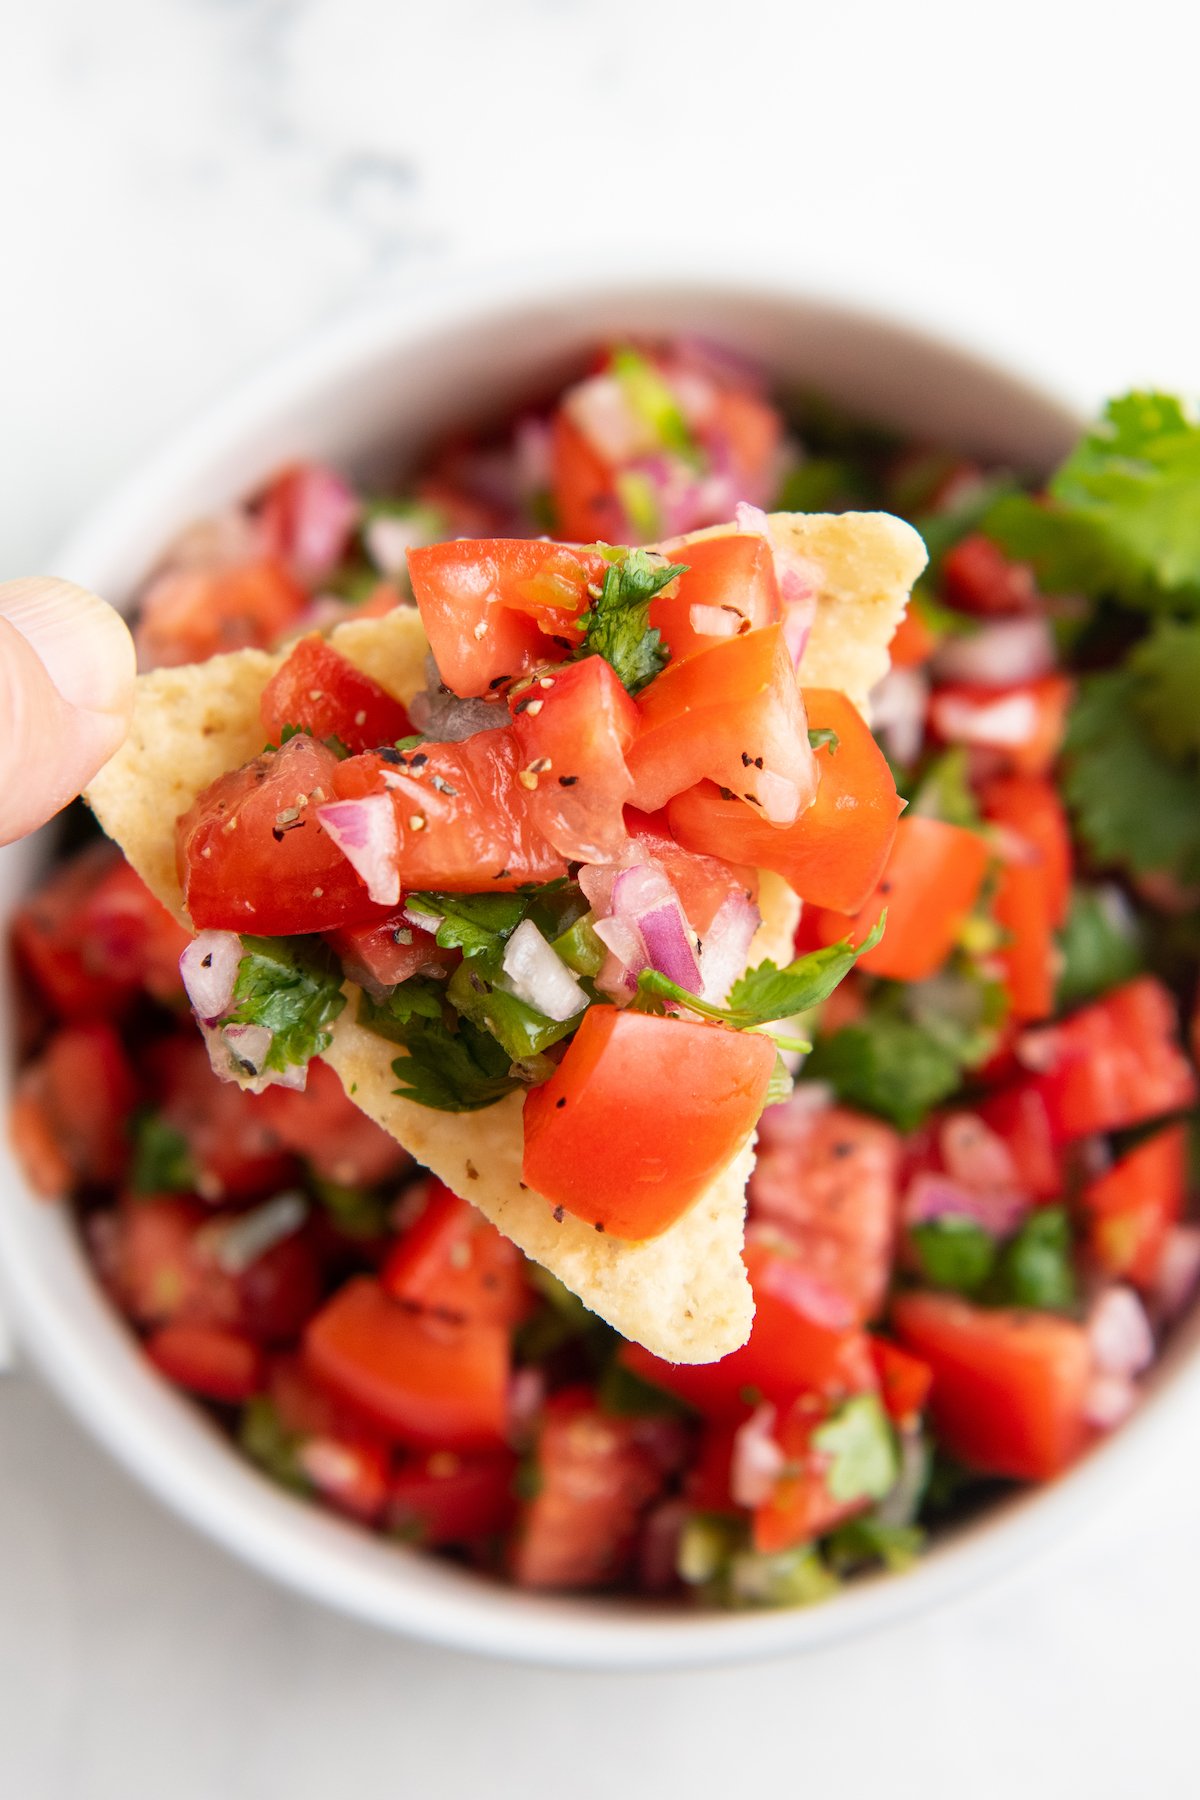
(684, 1294)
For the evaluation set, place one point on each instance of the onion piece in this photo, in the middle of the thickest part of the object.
(389, 538)
(539, 976)
(599, 408)
(898, 706)
(726, 947)
(526, 1397)
(1109, 1400)
(1119, 1332)
(664, 933)
(999, 655)
(236, 1243)
(658, 1551)
(209, 969)
(757, 1461)
(365, 832)
(752, 519)
(974, 1154)
(994, 725)
(715, 621)
(931, 1197)
(1178, 1273)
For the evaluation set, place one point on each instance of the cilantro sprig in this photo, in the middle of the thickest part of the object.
(294, 988)
(617, 624)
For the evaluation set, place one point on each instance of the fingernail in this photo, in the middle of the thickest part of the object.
(83, 645)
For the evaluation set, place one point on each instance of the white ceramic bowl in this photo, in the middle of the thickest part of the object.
(370, 396)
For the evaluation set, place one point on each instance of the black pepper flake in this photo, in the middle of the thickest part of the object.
(567, 780)
(599, 1226)
(885, 887)
(561, 1102)
(206, 961)
(559, 1214)
(726, 793)
(388, 753)
(524, 1186)
(843, 1149)
(747, 760)
(502, 875)
(472, 1172)
(419, 760)
(758, 762)
(498, 681)
(753, 799)
(525, 701)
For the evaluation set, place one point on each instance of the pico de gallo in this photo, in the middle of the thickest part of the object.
(968, 1232)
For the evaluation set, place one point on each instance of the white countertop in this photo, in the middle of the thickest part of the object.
(190, 185)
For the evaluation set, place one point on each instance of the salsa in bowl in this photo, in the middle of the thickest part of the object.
(801, 1442)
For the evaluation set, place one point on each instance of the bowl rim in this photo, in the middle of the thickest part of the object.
(133, 1414)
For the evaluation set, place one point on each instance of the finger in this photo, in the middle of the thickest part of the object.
(66, 692)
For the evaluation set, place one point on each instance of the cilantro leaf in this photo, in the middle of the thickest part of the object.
(1167, 666)
(292, 987)
(954, 1253)
(451, 1067)
(886, 1065)
(821, 735)
(472, 923)
(1132, 806)
(945, 792)
(825, 484)
(860, 1542)
(267, 1441)
(617, 625)
(476, 992)
(1100, 944)
(1121, 515)
(162, 1159)
(1036, 1267)
(861, 1444)
(417, 998)
(767, 993)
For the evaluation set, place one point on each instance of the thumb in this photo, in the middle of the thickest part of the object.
(66, 692)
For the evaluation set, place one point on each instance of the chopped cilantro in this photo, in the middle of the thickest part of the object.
(477, 993)
(781, 1085)
(821, 735)
(356, 1212)
(860, 1542)
(887, 1065)
(417, 998)
(861, 1445)
(767, 993)
(1167, 666)
(451, 1067)
(293, 987)
(265, 1440)
(162, 1160)
(824, 484)
(622, 1392)
(617, 625)
(480, 924)
(945, 792)
(954, 1253)
(1100, 944)
(1132, 805)
(1035, 1267)
(794, 1577)
(651, 397)
(1121, 515)
(413, 741)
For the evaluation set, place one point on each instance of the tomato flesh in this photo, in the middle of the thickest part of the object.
(733, 715)
(585, 501)
(574, 728)
(1130, 1209)
(235, 1151)
(1114, 1064)
(704, 884)
(1022, 908)
(337, 1141)
(979, 578)
(190, 614)
(1029, 806)
(382, 956)
(430, 1383)
(801, 1506)
(904, 1381)
(1022, 727)
(1009, 1387)
(834, 853)
(453, 1262)
(217, 1364)
(450, 1498)
(321, 693)
(72, 1108)
(639, 1116)
(733, 574)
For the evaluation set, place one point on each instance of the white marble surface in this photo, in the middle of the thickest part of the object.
(189, 185)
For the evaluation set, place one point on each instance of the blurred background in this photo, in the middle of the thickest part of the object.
(191, 186)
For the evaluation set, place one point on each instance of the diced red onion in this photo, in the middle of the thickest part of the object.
(389, 538)
(1119, 1332)
(752, 519)
(365, 832)
(726, 947)
(779, 797)
(539, 976)
(220, 541)
(636, 889)
(236, 1243)
(664, 932)
(533, 454)
(1178, 1273)
(999, 655)
(249, 1045)
(897, 709)
(209, 969)
(526, 1396)
(974, 1154)
(658, 1551)
(599, 408)
(931, 1197)
(715, 621)
(1109, 1400)
(331, 1466)
(664, 1438)
(757, 1461)
(626, 957)
(324, 512)
(1039, 1050)
(996, 724)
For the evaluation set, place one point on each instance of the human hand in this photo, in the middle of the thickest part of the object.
(66, 691)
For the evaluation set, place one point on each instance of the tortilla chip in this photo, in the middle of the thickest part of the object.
(685, 1294)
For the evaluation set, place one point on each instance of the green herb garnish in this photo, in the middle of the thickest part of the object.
(617, 625)
(294, 989)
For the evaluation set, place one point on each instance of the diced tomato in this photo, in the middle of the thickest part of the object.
(749, 429)
(1030, 806)
(709, 1482)
(452, 1261)
(733, 715)
(574, 729)
(354, 1477)
(1009, 1387)
(1130, 1209)
(1022, 726)
(595, 1480)
(190, 614)
(904, 1381)
(323, 1125)
(428, 1382)
(733, 574)
(835, 852)
(72, 1109)
(323, 694)
(382, 956)
(979, 578)
(462, 818)
(307, 518)
(801, 1507)
(494, 608)
(639, 1116)
(586, 506)
(450, 1498)
(829, 1179)
(703, 883)
(913, 642)
(218, 1364)
(1019, 1116)
(1113, 1064)
(1021, 908)
(252, 856)
(235, 1150)
(93, 936)
(930, 882)
(800, 1343)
